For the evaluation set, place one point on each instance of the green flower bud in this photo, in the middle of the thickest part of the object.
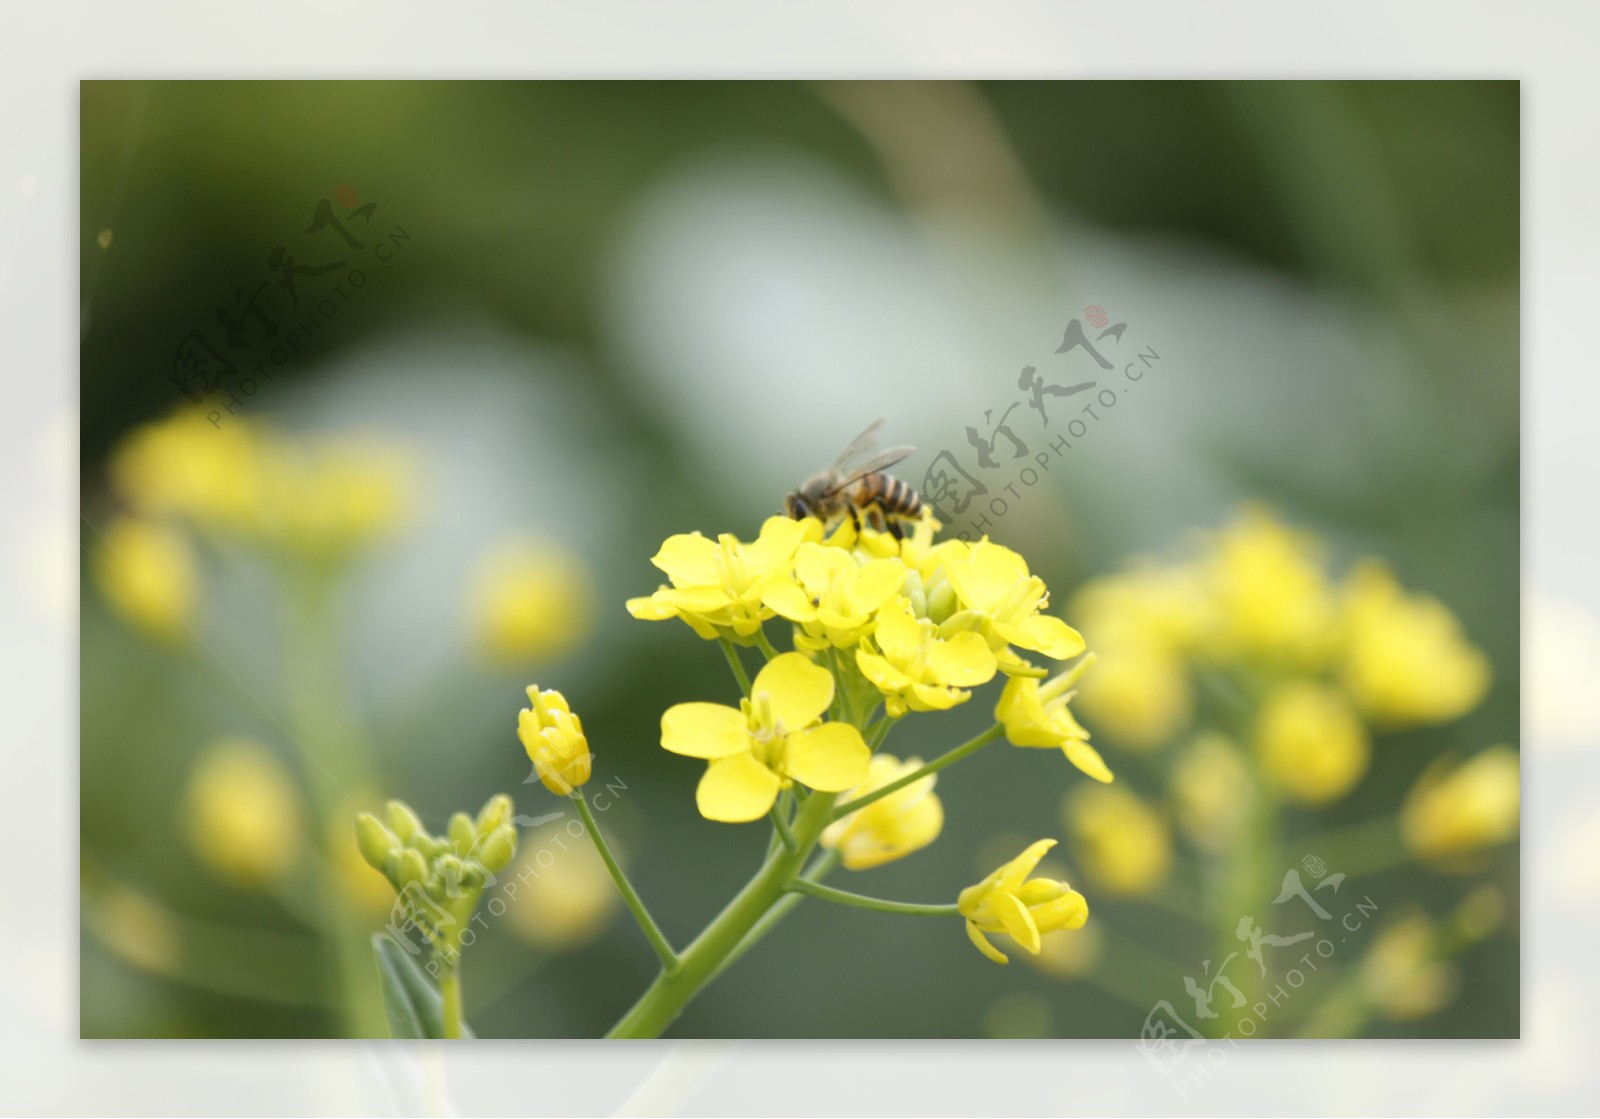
(462, 834)
(496, 811)
(473, 876)
(402, 820)
(412, 868)
(496, 851)
(374, 840)
(942, 602)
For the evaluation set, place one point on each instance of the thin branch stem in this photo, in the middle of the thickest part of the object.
(862, 901)
(736, 664)
(652, 933)
(781, 827)
(966, 748)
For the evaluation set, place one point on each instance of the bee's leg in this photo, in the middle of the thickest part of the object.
(855, 517)
(896, 529)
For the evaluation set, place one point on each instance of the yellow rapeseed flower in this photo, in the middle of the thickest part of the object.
(528, 601)
(1121, 841)
(1402, 976)
(906, 820)
(185, 466)
(563, 896)
(915, 668)
(243, 813)
(554, 739)
(999, 598)
(1008, 902)
(717, 586)
(774, 738)
(1310, 742)
(1140, 694)
(832, 598)
(326, 499)
(1406, 661)
(1270, 594)
(1211, 792)
(1454, 811)
(1036, 714)
(146, 570)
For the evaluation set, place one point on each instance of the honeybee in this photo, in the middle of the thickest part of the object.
(861, 492)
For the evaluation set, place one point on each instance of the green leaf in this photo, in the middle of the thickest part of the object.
(412, 1003)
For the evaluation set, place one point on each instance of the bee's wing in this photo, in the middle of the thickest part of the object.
(858, 446)
(880, 461)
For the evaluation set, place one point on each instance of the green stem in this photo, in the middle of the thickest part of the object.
(652, 933)
(781, 827)
(450, 992)
(880, 905)
(699, 963)
(764, 645)
(820, 868)
(966, 748)
(736, 664)
(879, 731)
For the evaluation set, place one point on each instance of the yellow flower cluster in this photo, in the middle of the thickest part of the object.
(1254, 608)
(322, 498)
(916, 623)
(1009, 902)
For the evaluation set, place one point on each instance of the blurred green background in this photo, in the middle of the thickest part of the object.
(624, 310)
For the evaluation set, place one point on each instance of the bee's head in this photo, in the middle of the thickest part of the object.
(796, 506)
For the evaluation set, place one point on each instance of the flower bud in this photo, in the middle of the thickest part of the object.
(375, 841)
(942, 601)
(402, 820)
(496, 811)
(462, 834)
(413, 868)
(497, 850)
(554, 739)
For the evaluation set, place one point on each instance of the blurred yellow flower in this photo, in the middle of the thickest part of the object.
(1035, 714)
(1164, 607)
(560, 895)
(833, 599)
(1000, 599)
(1454, 811)
(1008, 902)
(915, 668)
(1401, 975)
(1310, 742)
(772, 740)
(1211, 792)
(1122, 843)
(186, 466)
(1140, 694)
(906, 820)
(138, 929)
(243, 813)
(1406, 661)
(1271, 598)
(325, 500)
(717, 586)
(146, 570)
(554, 739)
(528, 600)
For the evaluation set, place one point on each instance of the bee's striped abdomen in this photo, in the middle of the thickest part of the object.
(888, 493)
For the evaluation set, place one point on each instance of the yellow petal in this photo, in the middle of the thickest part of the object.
(704, 730)
(690, 560)
(652, 609)
(797, 690)
(985, 575)
(830, 758)
(964, 661)
(982, 944)
(736, 790)
(1044, 634)
(897, 633)
(1087, 758)
(789, 599)
(1018, 921)
(885, 676)
(817, 566)
(1013, 873)
(875, 582)
(779, 537)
